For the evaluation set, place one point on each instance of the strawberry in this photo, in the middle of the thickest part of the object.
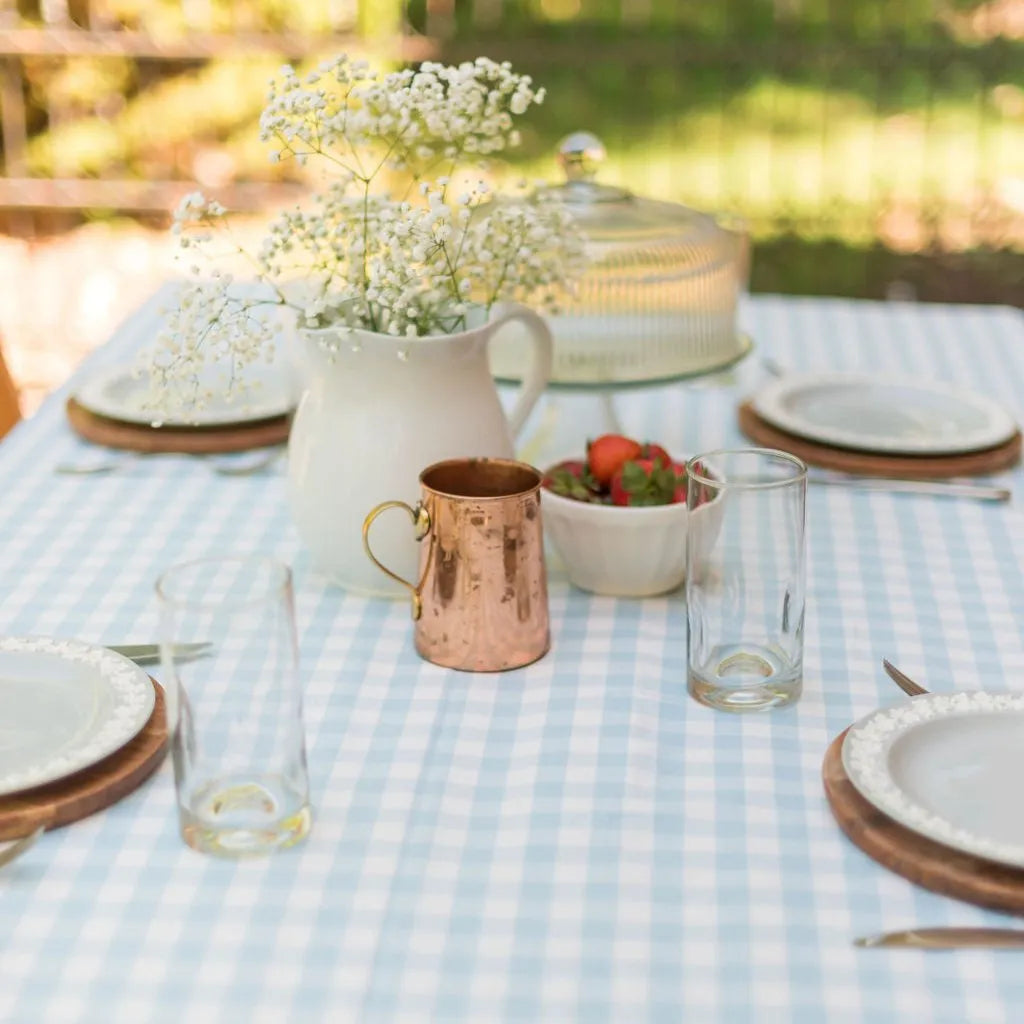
(704, 491)
(572, 479)
(682, 483)
(607, 454)
(647, 482)
(650, 450)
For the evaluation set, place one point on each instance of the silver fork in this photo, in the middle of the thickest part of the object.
(902, 680)
(249, 468)
(221, 468)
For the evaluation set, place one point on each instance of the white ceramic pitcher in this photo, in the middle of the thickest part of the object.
(377, 413)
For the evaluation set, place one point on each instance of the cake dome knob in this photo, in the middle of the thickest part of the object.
(581, 154)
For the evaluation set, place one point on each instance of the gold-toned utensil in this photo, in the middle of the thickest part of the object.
(903, 681)
(149, 654)
(945, 938)
(13, 850)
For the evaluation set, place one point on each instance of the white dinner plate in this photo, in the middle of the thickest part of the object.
(947, 766)
(881, 414)
(119, 393)
(64, 705)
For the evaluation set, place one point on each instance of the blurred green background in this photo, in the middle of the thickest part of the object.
(876, 148)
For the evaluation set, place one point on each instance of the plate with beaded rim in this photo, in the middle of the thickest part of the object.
(64, 706)
(946, 766)
(885, 415)
(121, 393)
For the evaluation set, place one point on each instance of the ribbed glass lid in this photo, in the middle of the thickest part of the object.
(608, 214)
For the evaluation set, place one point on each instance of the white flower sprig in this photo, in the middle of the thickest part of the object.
(392, 244)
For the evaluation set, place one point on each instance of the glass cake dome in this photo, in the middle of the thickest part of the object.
(658, 300)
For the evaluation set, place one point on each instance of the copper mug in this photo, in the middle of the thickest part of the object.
(481, 603)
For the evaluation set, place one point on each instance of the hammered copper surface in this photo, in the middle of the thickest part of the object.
(483, 581)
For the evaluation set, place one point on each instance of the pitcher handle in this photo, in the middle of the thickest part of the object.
(421, 524)
(538, 373)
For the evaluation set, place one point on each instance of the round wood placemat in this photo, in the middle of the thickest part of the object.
(910, 467)
(919, 860)
(136, 437)
(92, 789)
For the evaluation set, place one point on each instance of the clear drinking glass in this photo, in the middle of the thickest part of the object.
(745, 578)
(238, 745)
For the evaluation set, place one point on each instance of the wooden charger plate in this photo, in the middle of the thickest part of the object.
(908, 467)
(136, 437)
(922, 861)
(92, 789)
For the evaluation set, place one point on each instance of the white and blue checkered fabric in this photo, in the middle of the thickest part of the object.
(576, 840)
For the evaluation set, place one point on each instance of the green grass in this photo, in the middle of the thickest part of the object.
(921, 147)
(830, 157)
(160, 125)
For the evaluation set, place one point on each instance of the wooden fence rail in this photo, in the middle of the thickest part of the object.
(88, 34)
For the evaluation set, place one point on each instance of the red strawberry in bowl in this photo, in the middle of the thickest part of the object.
(650, 450)
(572, 479)
(705, 491)
(606, 454)
(627, 537)
(682, 477)
(646, 482)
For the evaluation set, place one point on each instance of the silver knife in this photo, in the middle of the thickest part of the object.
(149, 654)
(946, 938)
(980, 492)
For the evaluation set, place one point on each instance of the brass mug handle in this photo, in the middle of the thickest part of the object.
(421, 524)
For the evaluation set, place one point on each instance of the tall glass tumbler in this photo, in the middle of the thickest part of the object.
(238, 746)
(745, 578)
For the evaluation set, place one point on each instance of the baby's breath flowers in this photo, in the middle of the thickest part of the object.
(404, 240)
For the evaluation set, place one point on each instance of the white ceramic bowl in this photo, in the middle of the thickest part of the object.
(616, 550)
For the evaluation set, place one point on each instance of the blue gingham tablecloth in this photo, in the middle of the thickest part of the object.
(573, 841)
